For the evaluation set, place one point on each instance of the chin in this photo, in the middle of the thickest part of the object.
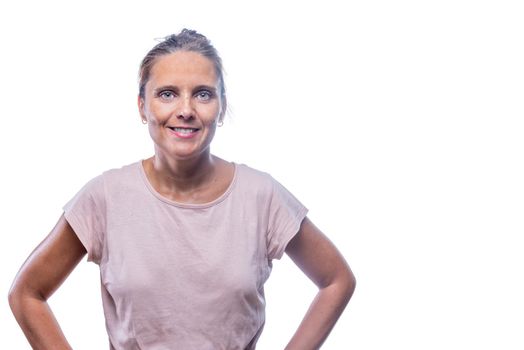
(178, 155)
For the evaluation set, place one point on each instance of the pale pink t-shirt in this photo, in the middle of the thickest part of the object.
(183, 276)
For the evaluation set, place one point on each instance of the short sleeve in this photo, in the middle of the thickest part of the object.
(85, 212)
(286, 214)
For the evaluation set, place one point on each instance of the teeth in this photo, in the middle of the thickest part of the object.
(184, 130)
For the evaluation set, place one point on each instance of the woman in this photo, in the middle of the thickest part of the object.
(184, 239)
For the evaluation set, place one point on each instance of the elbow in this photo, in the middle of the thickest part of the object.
(343, 285)
(14, 297)
(353, 285)
(351, 279)
(349, 283)
(18, 296)
(343, 282)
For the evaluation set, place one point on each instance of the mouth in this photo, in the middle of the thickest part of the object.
(183, 131)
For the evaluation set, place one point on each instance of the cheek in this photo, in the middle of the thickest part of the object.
(157, 114)
(210, 134)
(211, 113)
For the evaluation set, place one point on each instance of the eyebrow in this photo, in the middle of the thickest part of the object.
(206, 87)
(164, 88)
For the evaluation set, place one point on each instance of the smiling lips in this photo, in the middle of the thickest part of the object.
(184, 133)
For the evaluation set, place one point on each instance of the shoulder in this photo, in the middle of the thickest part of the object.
(254, 178)
(112, 178)
(262, 185)
(252, 183)
(95, 192)
(122, 176)
(127, 170)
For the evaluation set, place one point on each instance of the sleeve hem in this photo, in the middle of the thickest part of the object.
(76, 226)
(292, 232)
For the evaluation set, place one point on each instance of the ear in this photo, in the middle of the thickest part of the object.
(141, 103)
(223, 109)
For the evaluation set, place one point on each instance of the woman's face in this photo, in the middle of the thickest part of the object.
(182, 104)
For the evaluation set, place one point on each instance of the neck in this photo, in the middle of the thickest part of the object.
(182, 175)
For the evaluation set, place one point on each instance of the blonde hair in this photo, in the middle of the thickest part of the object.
(186, 40)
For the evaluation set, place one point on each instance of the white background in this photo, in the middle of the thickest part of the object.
(398, 123)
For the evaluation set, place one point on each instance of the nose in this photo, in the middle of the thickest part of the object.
(185, 108)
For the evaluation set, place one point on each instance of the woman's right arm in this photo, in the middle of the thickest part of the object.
(39, 277)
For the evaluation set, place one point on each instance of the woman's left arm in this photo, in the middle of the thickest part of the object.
(320, 260)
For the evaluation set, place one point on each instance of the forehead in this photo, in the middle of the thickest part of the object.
(183, 67)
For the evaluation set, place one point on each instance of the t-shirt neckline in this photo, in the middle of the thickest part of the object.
(217, 200)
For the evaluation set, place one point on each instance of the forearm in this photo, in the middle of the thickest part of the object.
(38, 323)
(321, 316)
